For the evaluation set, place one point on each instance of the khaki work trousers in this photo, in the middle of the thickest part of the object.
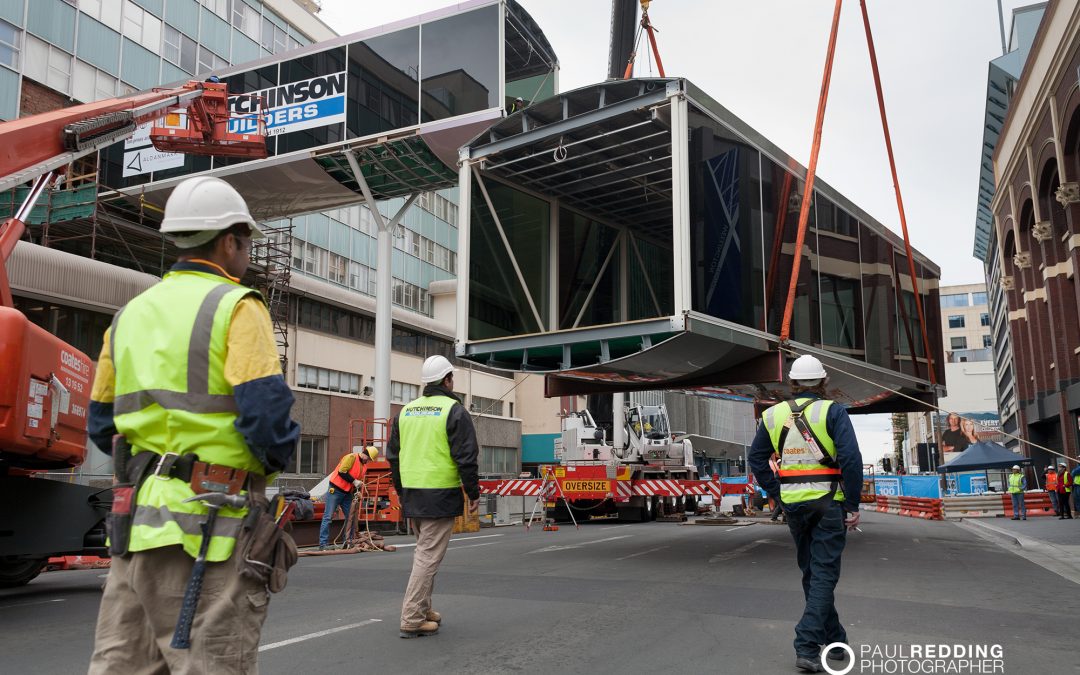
(141, 603)
(432, 538)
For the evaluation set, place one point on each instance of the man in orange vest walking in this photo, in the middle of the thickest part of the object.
(1050, 481)
(342, 483)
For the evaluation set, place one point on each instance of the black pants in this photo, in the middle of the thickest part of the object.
(1064, 499)
(820, 535)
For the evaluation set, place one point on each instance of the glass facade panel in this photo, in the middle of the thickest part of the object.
(170, 74)
(978, 298)
(9, 94)
(184, 14)
(99, 45)
(139, 66)
(584, 247)
(498, 305)
(781, 197)
(841, 284)
(10, 45)
(467, 44)
(153, 6)
(12, 11)
(214, 33)
(725, 228)
(383, 82)
(650, 279)
(54, 21)
(879, 298)
(955, 300)
(244, 49)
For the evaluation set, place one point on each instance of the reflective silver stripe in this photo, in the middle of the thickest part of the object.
(174, 400)
(770, 418)
(814, 413)
(799, 487)
(198, 369)
(189, 523)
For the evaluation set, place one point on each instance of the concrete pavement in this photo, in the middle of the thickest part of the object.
(609, 598)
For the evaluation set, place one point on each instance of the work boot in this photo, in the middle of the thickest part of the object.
(424, 629)
(836, 654)
(809, 664)
(322, 547)
(432, 615)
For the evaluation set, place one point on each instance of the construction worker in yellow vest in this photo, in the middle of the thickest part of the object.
(1017, 486)
(189, 377)
(1064, 490)
(805, 455)
(433, 462)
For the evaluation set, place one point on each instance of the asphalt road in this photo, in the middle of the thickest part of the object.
(657, 597)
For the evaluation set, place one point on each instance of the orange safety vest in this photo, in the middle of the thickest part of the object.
(354, 473)
(1051, 481)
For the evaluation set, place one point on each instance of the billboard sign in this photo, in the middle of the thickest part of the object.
(306, 104)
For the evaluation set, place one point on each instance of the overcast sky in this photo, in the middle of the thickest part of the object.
(763, 60)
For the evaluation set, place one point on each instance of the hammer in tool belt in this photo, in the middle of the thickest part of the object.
(214, 501)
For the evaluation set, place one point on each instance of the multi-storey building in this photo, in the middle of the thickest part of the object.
(1035, 212)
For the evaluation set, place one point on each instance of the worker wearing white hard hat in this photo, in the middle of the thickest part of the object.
(805, 455)
(433, 460)
(189, 376)
(1050, 482)
(1017, 486)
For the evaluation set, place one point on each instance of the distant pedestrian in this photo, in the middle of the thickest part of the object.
(1064, 491)
(433, 458)
(1017, 485)
(806, 456)
(1050, 481)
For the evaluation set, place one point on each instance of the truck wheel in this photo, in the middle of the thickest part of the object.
(691, 505)
(19, 571)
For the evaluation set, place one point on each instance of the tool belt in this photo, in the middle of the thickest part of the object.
(265, 551)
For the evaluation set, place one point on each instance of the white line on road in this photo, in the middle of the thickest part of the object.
(732, 529)
(37, 602)
(615, 527)
(728, 555)
(483, 536)
(311, 636)
(584, 543)
(634, 555)
(486, 543)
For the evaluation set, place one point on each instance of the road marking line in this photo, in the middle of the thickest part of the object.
(634, 555)
(732, 529)
(584, 543)
(615, 527)
(483, 536)
(728, 555)
(36, 602)
(311, 636)
(486, 543)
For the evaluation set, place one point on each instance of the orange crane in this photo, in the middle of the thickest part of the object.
(45, 382)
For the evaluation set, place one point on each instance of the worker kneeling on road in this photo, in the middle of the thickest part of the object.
(189, 378)
(339, 495)
(433, 455)
(805, 455)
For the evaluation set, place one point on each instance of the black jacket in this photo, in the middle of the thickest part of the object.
(440, 502)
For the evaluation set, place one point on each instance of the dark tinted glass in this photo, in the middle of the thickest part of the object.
(781, 199)
(879, 298)
(589, 275)
(725, 229)
(383, 82)
(841, 285)
(460, 64)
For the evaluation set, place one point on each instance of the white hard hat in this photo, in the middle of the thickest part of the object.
(807, 367)
(1016, 467)
(435, 369)
(201, 207)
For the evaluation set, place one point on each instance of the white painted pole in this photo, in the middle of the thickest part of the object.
(618, 421)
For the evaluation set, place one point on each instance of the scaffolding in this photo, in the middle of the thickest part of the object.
(272, 264)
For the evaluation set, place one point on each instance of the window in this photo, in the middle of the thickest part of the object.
(956, 321)
(486, 406)
(337, 268)
(311, 377)
(400, 392)
(47, 64)
(142, 27)
(978, 298)
(246, 18)
(91, 84)
(958, 343)
(500, 460)
(219, 7)
(955, 300)
(987, 342)
(209, 61)
(273, 39)
(107, 12)
(984, 319)
(9, 45)
(309, 456)
(179, 49)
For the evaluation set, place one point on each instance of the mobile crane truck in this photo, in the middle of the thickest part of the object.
(44, 382)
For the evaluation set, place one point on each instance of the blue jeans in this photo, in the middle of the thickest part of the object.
(1054, 502)
(1019, 508)
(820, 535)
(334, 500)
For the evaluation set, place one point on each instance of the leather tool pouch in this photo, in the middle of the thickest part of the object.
(216, 478)
(265, 550)
(118, 521)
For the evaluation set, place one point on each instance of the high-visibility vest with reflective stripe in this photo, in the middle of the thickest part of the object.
(1014, 482)
(1066, 480)
(425, 460)
(803, 477)
(168, 348)
(1051, 481)
(354, 474)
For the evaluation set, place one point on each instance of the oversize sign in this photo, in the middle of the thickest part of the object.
(585, 486)
(307, 104)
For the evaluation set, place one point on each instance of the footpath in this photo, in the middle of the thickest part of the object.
(1046, 541)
